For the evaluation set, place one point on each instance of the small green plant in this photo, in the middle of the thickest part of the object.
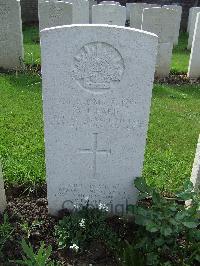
(168, 230)
(28, 229)
(131, 257)
(78, 230)
(41, 258)
(6, 230)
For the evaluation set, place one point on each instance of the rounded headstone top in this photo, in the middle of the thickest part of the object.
(109, 3)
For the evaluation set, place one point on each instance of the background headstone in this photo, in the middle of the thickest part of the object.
(195, 176)
(178, 9)
(80, 11)
(109, 14)
(2, 193)
(110, 3)
(136, 11)
(54, 13)
(162, 22)
(128, 7)
(96, 99)
(11, 39)
(163, 61)
(194, 63)
(194, 12)
(189, 19)
(91, 3)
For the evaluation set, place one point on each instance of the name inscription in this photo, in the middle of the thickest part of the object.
(96, 113)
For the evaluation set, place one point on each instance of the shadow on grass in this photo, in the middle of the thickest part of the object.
(180, 57)
(31, 34)
(23, 81)
(177, 91)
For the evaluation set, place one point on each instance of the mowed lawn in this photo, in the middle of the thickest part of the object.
(172, 136)
(180, 58)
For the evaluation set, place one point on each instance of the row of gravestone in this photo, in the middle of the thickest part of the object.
(97, 87)
(165, 22)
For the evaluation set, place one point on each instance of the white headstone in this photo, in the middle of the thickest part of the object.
(110, 3)
(189, 19)
(96, 99)
(178, 9)
(91, 3)
(52, 14)
(11, 39)
(194, 12)
(163, 63)
(109, 14)
(136, 10)
(80, 11)
(194, 64)
(195, 176)
(2, 193)
(128, 7)
(160, 21)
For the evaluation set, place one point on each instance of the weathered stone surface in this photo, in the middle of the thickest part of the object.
(136, 11)
(178, 9)
(194, 64)
(96, 99)
(163, 62)
(54, 13)
(109, 14)
(189, 19)
(160, 21)
(110, 3)
(128, 7)
(194, 12)
(195, 176)
(11, 39)
(91, 3)
(2, 193)
(80, 11)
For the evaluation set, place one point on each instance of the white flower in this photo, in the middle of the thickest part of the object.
(74, 247)
(76, 206)
(86, 198)
(103, 207)
(82, 223)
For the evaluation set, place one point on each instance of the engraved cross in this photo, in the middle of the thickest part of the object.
(95, 151)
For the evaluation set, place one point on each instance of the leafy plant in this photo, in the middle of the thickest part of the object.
(167, 228)
(78, 230)
(131, 257)
(28, 229)
(6, 230)
(41, 258)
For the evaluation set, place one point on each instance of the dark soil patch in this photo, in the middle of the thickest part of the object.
(28, 214)
(177, 79)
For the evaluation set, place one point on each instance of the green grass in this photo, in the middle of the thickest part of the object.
(172, 136)
(21, 131)
(31, 45)
(181, 55)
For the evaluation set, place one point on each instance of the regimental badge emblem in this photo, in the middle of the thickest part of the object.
(98, 67)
